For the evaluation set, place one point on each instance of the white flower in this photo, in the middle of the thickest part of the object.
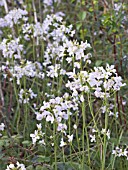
(39, 126)
(38, 135)
(120, 152)
(50, 118)
(21, 166)
(108, 134)
(117, 114)
(75, 126)
(114, 152)
(111, 113)
(2, 126)
(103, 131)
(62, 143)
(39, 116)
(14, 16)
(93, 138)
(70, 138)
(11, 48)
(77, 65)
(42, 142)
(32, 95)
(93, 130)
(62, 127)
(11, 166)
(124, 102)
(24, 96)
(17, 166)
(117, 6)
(59, 110)
(103, 108)
(35, 136)
(82, 98)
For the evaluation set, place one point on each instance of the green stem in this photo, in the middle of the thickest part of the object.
(26, 111)
(18, 107)
(83, 137)
(105, 137)
(55, 145)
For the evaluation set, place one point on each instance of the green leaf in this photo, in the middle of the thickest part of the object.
(42, 158)
(4, 143)
(70, 166)
(2, 155)
(82, 15)
(124, 140)
(98, 63)
(78, 26)
(17, 136)
(43, 167)
(30, 168)
(4, 137)
(26, 142)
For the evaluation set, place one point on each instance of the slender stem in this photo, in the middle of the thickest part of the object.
(83, 141)
(105, 137)
(5, 6)
(18, 106)
(77, 137)
(84, 132)
(55, 145)
(69, 123)
(26, 111)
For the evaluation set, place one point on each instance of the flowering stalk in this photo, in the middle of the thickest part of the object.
(105, 137)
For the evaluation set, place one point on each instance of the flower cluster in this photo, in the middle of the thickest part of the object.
(25, 96)
(49, 4)
(57, 110)
(71, 51)
(16, 166)
(38, 135)
(69, 139)
(11, 48)
(13, 17)
(101, 81)
(77, 49)
(119, 152)
(51, 27)
(26, 68)
(110, 110)
(99, 133)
